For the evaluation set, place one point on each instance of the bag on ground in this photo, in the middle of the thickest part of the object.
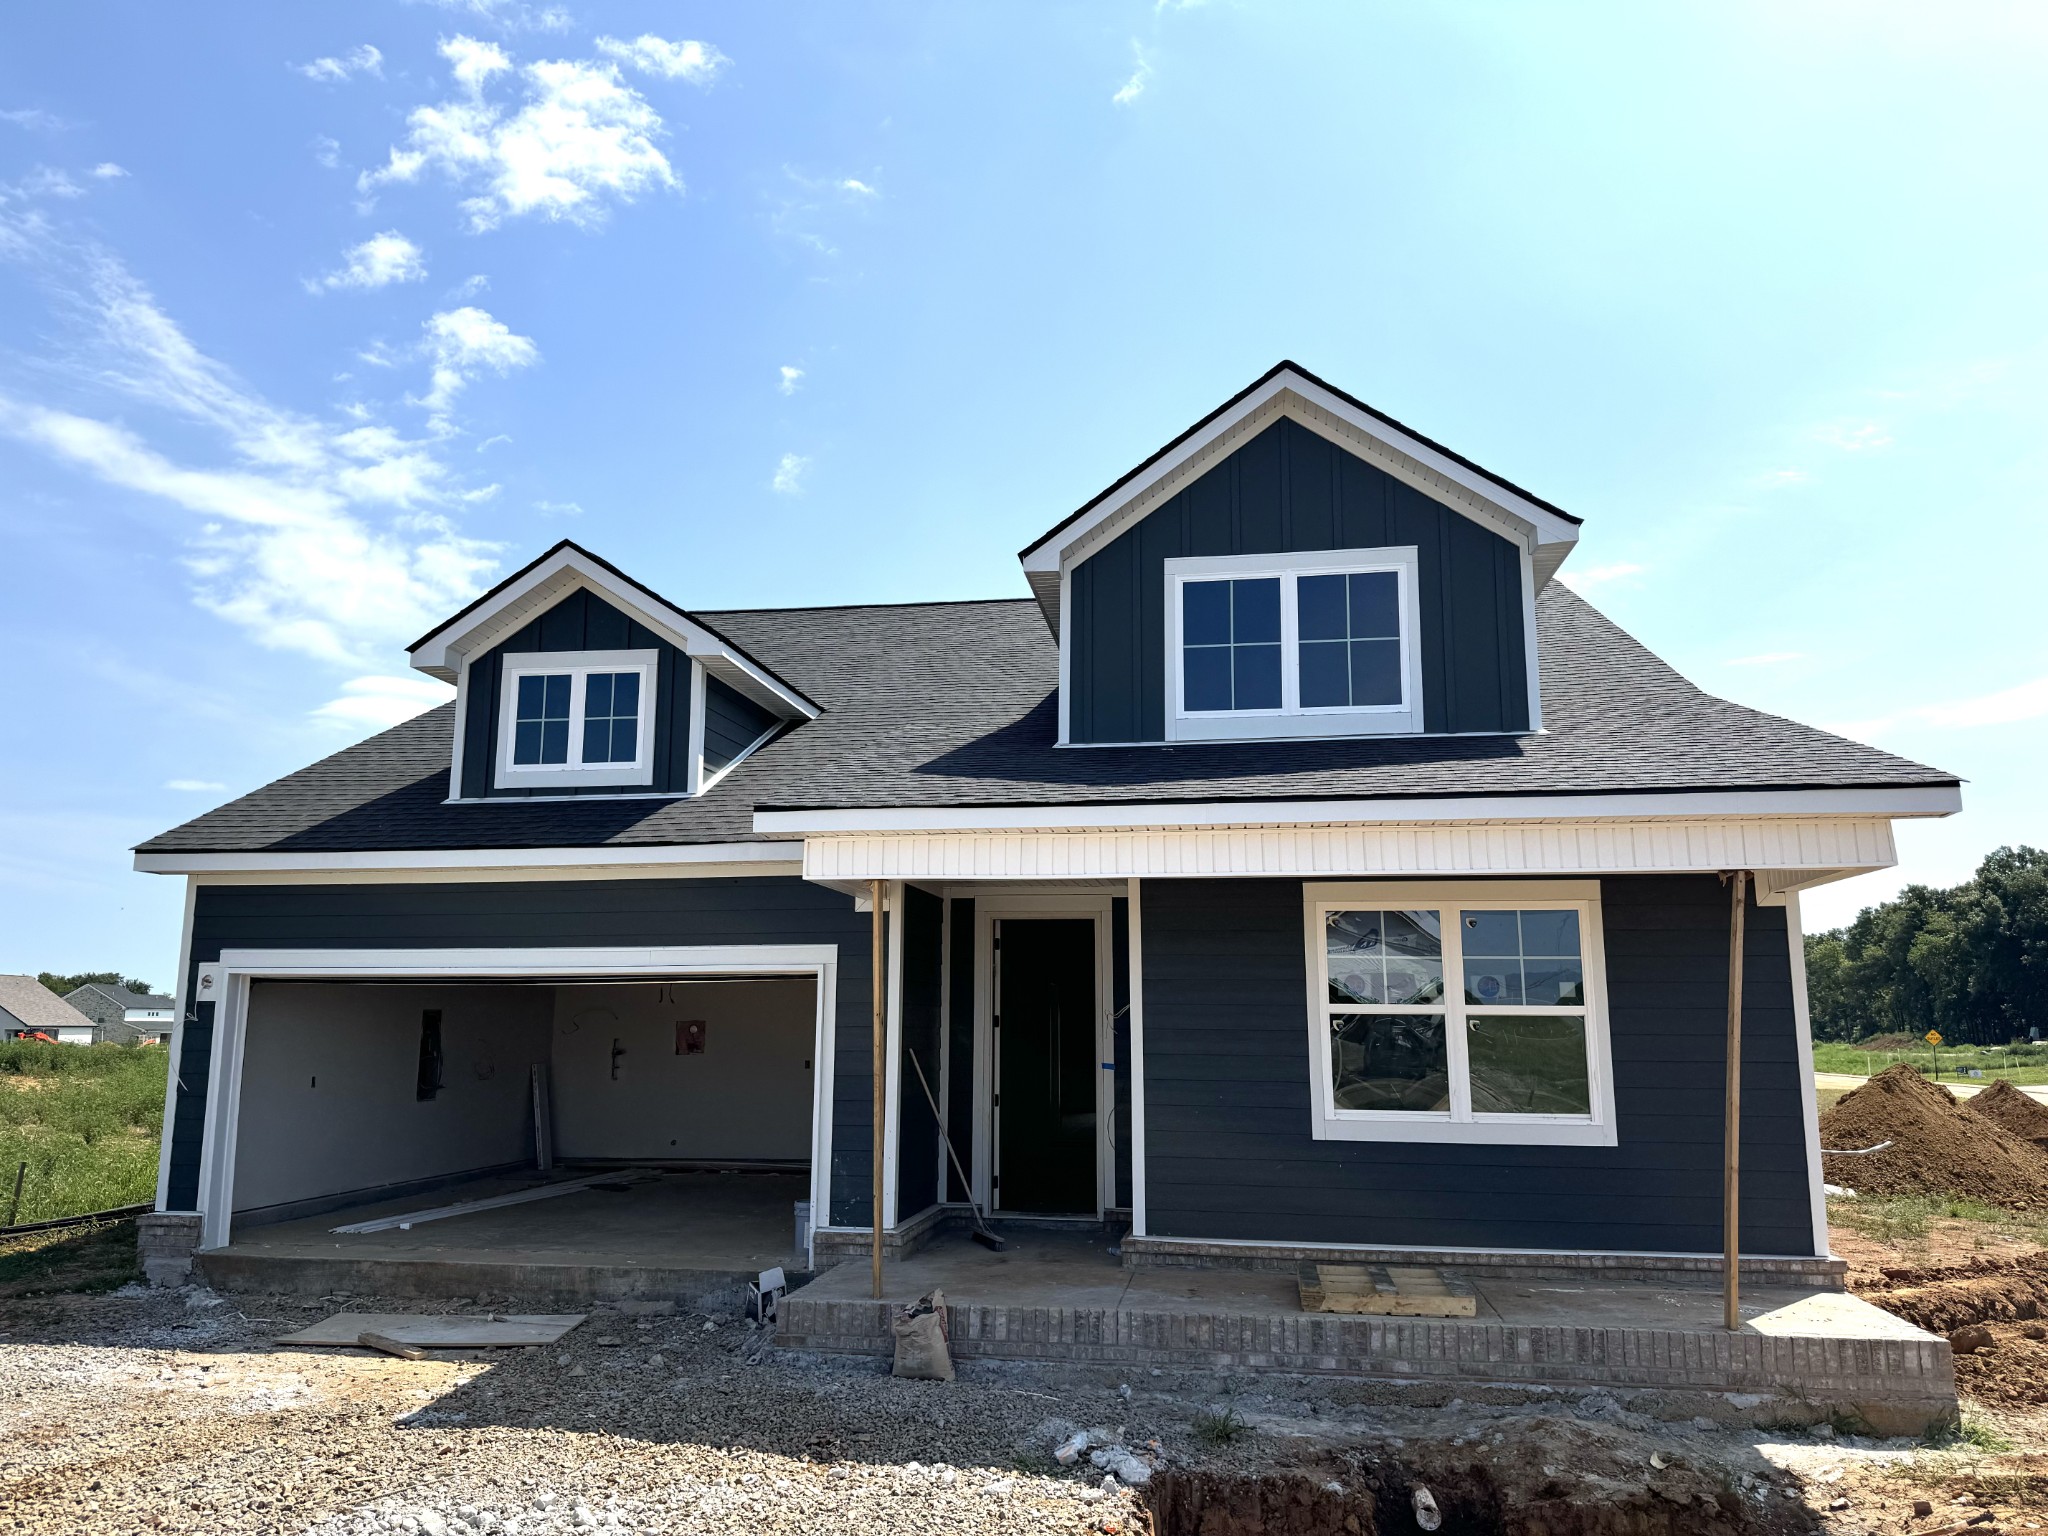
(921, 1352)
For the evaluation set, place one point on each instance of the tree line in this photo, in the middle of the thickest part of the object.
(1970, 961)
(64, 984)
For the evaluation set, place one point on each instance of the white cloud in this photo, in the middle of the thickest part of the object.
(382, 702)
(1141, 76)
(33, 118)
(194, 786)
(581, 136)
(106, 170)
(1786, 477)
(790, 378)
(789, 474)
(364, 60)
(512, 15)
(2009, 706)
(463, 343)
(329, 539)
(698, 63)
(43, 181)
(559, 508)
(1854, 437)
(327, 151)
(1765, 659)
(1598, 575)
(470, 286)
(857, 188)
(379, 261)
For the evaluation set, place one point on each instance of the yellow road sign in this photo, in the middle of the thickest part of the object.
(1934, 1037)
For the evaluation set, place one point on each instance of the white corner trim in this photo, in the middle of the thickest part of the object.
(773, 857)
(176, 1045)
(1809, 1104)
(695, 780)
(1925, 800)
(892, 1051)
(461, 730)
(1136, 951)
(1530, 655)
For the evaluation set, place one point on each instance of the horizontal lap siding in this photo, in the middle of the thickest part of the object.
(545, 914)
(732, 723)
(1229, 1153)
(917, 1128)
(1289, 490)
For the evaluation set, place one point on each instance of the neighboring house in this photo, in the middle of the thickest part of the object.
(124, 1016)
(28, 1009)
(1301, 865)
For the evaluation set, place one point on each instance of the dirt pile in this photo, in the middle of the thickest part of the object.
(2022, 1114)
(1937, 1146)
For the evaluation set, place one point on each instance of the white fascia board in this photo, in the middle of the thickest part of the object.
(441, 654)
(684, 855)
(1910, 801)
(1544, 526)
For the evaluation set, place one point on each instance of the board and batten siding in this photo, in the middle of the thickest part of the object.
(772, 909)
(917, 1128)
(1289, 490)
(582, 621)
(1228, 1147)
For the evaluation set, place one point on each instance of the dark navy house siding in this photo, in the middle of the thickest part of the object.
(582, 621)
(514, 914)
(1288, 490)
(732, 723)
(1228, 1149)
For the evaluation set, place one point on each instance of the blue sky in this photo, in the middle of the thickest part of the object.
(313, 318)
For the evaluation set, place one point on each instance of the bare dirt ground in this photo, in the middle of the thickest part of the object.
(173, 1412)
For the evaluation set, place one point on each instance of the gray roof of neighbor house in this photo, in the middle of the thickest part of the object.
(954, 704)
(31, 1005)
(105, 1004)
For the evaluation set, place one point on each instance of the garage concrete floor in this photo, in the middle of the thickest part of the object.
(671, 1223)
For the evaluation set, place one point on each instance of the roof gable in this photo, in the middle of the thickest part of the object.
(540, 585)
(1291, 391)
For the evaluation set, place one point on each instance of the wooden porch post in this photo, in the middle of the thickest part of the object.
(881, 1083)
(1731, 1132)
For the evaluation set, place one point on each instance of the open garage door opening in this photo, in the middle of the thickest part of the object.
(632, 1125)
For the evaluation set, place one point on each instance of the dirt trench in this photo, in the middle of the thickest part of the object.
(1472, 1498)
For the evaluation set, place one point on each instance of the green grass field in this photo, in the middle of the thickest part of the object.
(86, 1119)
(2023, 1064)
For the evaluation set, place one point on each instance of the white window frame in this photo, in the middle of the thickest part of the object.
(1291, 719)
(1459, 1125)
(579, 665)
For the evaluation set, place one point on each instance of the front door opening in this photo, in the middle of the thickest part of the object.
(1045, 1087)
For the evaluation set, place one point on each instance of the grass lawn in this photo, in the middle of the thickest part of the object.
(2023, 1064)
(85, 1119)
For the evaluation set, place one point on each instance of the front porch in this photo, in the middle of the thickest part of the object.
(1804, 1352)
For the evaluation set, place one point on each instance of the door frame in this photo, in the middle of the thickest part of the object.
(226, 983)
(989, 910)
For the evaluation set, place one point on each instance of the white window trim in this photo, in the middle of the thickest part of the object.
(1291, 719)
(579, 665)
(1328, 1123)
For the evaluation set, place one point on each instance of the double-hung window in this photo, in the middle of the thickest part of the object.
(1319, 644)
(1459, 1013)
(569, 718)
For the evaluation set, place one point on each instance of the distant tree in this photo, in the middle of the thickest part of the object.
(62, 984)
(1970, 961)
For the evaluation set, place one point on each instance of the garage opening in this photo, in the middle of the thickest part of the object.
(670, 1121)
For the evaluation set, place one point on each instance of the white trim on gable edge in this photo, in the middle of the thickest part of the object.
(765, 857)
(556, 575)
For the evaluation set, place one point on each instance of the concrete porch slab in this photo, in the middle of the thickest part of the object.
(1065, 1297)
(694, 1238)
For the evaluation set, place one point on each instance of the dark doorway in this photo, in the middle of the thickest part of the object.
(1045, 1066)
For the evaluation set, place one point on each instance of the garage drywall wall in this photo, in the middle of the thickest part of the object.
(745, 1098)
(329, 1080)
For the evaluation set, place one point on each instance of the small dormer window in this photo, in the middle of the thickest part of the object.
(576, 718)
(1319, 644)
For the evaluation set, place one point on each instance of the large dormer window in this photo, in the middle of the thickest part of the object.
(1318, 644)
(571, 718)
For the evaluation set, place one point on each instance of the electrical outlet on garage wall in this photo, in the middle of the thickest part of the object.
(689, 1037)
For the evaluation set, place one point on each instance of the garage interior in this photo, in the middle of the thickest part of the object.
(680, 1109)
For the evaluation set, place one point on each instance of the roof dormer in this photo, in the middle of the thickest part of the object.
(572, 679)
(1297, 565)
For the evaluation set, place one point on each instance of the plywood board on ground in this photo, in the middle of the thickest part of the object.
(1385, 1290)
(486, 1331)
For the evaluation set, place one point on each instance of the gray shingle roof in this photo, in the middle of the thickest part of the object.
(953, 704)
(29, 1003)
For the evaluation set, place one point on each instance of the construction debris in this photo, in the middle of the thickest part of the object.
(1385, 1290)
(921, 1352)
(443, 1331)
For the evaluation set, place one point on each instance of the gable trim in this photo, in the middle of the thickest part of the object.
(539, 585)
